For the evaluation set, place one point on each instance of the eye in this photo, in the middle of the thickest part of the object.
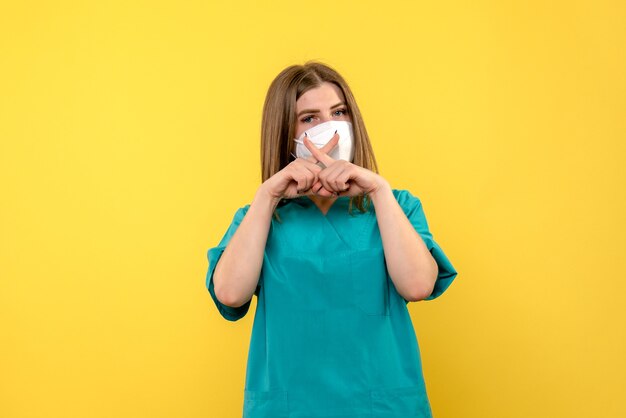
(340, 112)
(307, 119)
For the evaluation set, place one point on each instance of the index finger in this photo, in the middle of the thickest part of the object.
(327, 148)
(330, 144)
(320, 154)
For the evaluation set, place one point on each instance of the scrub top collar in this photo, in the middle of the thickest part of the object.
(305, 201)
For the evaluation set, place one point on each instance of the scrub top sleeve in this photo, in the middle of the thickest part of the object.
(228, 312)
(415, 213)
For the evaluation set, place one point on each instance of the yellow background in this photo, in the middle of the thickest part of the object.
(130, 135)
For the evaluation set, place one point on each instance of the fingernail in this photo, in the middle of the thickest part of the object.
(335, 130)
(306, 135)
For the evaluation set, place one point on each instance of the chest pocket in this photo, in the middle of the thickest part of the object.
(370, 283)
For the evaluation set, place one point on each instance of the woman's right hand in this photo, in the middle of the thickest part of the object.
(298, 177)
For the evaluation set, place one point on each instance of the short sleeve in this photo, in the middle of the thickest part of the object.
(414, 211)
(228, 312)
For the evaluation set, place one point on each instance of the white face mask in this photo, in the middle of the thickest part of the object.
(322, 133)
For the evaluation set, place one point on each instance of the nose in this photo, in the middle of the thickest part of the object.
(325, 118)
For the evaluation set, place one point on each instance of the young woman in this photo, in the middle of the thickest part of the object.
(333, 254)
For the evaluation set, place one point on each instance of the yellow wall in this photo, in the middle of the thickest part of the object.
(129, 136)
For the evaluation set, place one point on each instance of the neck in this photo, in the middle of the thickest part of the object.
(323, 203)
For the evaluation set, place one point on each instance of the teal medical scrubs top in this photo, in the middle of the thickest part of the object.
(331, 335)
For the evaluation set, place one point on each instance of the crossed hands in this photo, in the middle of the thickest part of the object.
(322, 175)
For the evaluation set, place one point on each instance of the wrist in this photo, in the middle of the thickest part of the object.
(382, 187)
(266, 198)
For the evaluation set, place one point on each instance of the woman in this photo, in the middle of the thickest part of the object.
(334, 255)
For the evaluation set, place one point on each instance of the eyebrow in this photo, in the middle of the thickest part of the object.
(317, 110)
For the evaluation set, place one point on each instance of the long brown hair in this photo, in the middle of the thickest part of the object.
(279, 120)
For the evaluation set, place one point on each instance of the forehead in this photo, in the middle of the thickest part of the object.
(325, 95)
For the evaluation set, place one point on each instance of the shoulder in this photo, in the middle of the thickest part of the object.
(240, 213)
(405, 198)
(244, 209)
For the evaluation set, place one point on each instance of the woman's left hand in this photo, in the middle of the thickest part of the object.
(341, 177)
